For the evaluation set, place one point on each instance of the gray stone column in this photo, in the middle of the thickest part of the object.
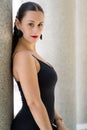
(5, 56)
(81, 61)
(63, 43)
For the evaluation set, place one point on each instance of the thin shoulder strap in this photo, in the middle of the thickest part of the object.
(46, 63)
(35, 57)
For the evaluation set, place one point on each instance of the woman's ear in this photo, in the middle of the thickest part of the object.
(17, 23)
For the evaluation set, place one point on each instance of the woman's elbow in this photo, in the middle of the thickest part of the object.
(35, 103)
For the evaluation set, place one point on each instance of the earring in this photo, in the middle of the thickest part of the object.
(41, 36)
(19, 33)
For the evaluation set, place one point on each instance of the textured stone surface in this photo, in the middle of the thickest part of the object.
(5, 74)
(63, 43)
(82, 61)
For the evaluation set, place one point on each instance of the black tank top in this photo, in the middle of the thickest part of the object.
(47, 78)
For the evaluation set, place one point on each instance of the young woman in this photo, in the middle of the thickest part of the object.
(35, 77)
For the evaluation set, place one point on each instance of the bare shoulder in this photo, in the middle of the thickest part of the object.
(22, 55)
(23, 60)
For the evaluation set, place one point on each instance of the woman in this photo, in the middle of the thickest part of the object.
(35, 77)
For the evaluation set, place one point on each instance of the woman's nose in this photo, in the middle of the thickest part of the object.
(35, 30)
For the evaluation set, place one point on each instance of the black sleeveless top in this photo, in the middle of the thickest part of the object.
(47, 78)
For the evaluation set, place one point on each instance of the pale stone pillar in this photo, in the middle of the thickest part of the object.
(5, 74)
(81, 61)
(62, 38)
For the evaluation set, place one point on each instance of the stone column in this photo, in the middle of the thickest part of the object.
(62, 22)
(5, 73)
(81, 61)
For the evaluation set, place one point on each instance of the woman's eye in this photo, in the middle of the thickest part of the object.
(31, 24)
(40, 25)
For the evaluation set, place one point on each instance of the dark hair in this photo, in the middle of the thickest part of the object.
(28, 6)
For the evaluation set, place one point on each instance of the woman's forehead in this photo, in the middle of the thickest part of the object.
(34, 16)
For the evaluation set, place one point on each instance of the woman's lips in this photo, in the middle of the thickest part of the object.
(34, 36)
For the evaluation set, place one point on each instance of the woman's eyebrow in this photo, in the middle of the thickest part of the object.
(31, 21)
(34, 21)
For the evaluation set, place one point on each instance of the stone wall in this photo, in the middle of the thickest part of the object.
(5, 58)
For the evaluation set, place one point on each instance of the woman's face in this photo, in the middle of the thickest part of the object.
(32, 25)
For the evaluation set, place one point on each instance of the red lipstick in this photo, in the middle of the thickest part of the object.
(34, 36)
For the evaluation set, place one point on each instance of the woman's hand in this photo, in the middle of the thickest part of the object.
(59, 122)
(60, 125)
(62, 128)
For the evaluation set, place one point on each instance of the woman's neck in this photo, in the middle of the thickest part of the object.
(27, 45)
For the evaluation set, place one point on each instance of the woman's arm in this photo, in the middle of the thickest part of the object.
(27, 74)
